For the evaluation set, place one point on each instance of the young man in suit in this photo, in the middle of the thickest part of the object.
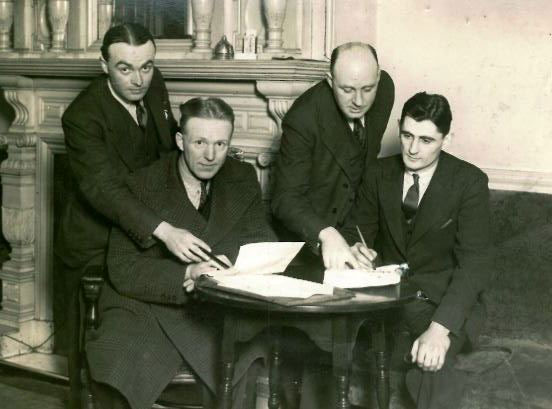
(429, 209)
(330, 134)
(120, 123)
(149, 322)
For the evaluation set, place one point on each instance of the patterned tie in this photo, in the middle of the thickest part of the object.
(410, 204)
(141, 115)
(358, 131)
(203, 195)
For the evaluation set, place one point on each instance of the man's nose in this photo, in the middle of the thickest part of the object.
(413, 146)
(137, 78)
(210, 152)
(358, 100)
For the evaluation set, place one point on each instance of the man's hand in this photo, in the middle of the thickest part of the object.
(183, 244)
(430, 348)
(364, 255)
(335, 250)
(210, 267)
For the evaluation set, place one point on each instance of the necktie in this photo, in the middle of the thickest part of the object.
(358, 131)
(141, 115)
(410, 204)
(203, 195)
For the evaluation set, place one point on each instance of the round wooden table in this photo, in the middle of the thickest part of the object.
(331, 324)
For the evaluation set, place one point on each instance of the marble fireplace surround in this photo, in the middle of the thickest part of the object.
(39, 90)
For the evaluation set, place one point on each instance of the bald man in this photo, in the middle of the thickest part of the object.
(330, 134)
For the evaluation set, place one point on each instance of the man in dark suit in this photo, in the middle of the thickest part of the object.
(120, 123)
(149, 323)
(330, 134)
(429, 209)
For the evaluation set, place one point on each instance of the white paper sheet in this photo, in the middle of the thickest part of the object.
(274, 285)
(357, 278)
(266, 257)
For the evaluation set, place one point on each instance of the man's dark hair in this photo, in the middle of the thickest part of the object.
(347, 46)
(129, 33)
(209, 108)
(433, 107)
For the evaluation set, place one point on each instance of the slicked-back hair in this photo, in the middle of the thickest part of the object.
(433, 107)
(207, 108)
(347, 46)
(129, 33)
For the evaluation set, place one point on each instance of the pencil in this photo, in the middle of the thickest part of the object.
(361, 236)
(215, 258)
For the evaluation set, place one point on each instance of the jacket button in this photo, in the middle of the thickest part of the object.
(334, 210)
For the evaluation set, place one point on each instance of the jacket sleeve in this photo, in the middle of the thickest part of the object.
(472, 253)
(290, 202)
(365, 212)
(149, 275)
(99, 181)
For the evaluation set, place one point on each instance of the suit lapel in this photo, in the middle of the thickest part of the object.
(336, 133)
(434, 200)
(176, 205)
(391, 198)
(229, 200)
(155, 105)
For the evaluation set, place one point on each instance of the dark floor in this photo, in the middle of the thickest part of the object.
(522, 380)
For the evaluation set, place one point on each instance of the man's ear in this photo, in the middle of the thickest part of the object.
(179, 140)
(104, 65)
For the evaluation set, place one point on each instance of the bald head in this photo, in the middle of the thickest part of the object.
(353, 46)
(354, 77)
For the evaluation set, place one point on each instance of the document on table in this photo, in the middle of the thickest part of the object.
(274, 285)
(266, 257)
(358, 278)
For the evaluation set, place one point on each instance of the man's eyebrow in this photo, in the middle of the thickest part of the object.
(123, 62)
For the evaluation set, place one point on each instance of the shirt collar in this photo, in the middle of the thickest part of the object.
(425, 174)
(189, 180)
(127, 105)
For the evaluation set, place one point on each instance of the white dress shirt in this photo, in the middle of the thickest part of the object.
(192, 185)
(130, 107)
(423, 182)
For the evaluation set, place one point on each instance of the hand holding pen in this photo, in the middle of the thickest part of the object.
(364, 255)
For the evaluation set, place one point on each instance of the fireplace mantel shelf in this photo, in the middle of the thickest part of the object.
(229, 70)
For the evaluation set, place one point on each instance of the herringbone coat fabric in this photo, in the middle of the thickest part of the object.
(104, 144)
(448, 252)
(148, 322)
(314, 174)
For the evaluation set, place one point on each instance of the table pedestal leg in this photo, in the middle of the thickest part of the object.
(341, 356)
(274, 374)
(228, 341)
(382, 370)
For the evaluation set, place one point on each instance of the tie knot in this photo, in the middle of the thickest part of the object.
(357, 124)
(416, 178)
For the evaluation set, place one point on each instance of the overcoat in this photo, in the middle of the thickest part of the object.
(149, 324)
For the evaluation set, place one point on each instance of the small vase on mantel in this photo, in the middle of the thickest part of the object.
(275, 13)
(58, 13)
(6, 21)
(202, 14)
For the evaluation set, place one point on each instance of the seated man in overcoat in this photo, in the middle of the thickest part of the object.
(150, 324)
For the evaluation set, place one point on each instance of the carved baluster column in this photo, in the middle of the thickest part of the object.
(202, 13)
(17, 174)
(58, 13)
(6, 21)
(275, 13)
(105, 16)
